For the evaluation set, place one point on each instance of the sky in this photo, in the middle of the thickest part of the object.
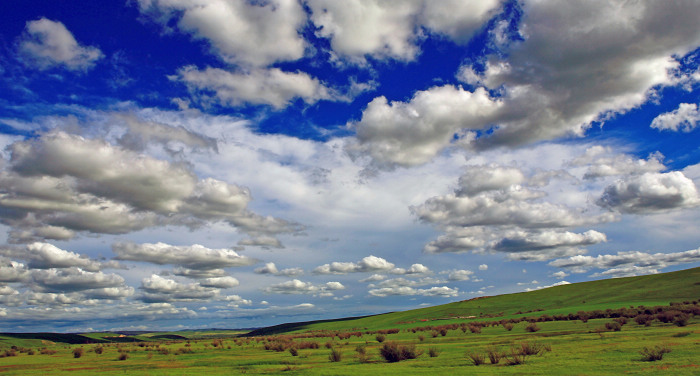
(180, 164)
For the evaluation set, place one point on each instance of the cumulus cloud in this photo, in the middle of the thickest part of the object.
(158, 289)
(64, 183)
(11, 271)
(483, 267)
(240, 32)
(367, 264)
(685, 118)
(443, 291)
(272, 87)
(73, 279)
(47, 256)
(270, 268)
(563, 73)
(413, 133)
(46, 44)
(296, 286)
(650, 193)
(520, 241)
(140, 133)
(460, 275)
(391, 29)
(195, 257)
(627, 263)
(219, 282)
(604, 161)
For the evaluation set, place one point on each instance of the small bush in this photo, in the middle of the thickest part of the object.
(46, 351)
(434, 352)
(476, 329)
(682, 334)
(392, 352)
(655, 353)
(532, 327)
(335, 355)
(123, 356)
(494, 355)
(361, 349)
(476, 358)
(99, 350)
(329, 345)
(508, 326)
(532, 348)
(681, 320)
(515, 358)
(380, 338)
(421, 338)
(614, 326)
(78, 352)
(443, 332)
(293, 351)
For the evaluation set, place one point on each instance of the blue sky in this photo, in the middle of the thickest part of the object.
(173, 164)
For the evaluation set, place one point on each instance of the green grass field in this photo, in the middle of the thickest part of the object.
(575, 347)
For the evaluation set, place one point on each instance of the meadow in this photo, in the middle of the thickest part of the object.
(567, 330)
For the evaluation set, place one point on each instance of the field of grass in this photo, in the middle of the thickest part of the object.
(574, 345)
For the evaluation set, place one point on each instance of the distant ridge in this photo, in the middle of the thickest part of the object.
(648, 290)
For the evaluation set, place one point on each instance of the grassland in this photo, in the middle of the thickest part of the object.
(575, 345)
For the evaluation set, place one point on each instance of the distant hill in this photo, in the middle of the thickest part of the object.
(647, 290)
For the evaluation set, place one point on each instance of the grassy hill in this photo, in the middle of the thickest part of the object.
(648, 290)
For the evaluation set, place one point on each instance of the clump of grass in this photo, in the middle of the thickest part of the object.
(293, 351)
(99, 350)
(46, 351)
(533, 348)
(421, 338)
(652, 354)
(361, 349)
(78, 352)
(515, 358)
(681, 320)
(393, 352)
(613, 326)
(434, 352)
(477, 358)
(476, 329)
(508, 326)
(532, 327)
(380, 338)
(494, 355)
(123, 356)
(335, 355)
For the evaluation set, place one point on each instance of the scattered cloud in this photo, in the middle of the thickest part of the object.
(296, 286)
(195, 257)
(650, 193)
(46, 44)
(685, 118)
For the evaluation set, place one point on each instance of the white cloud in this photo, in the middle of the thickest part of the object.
(373, 278)
(296, 286)
(685, 118)
(11, 271)
(382, 29)
(192, 257)
(270, 268)
(73, 279)
(78, 184)
(442, 291)
(272, 87)
(460, 275)
(240, 32)
(158, 289)
(219, 282)
(47, 256)
(650, 193)
(47, 43)
(483, 267)
(521, 241)
(625, 263)
(604, 161)
(367, 264)
(413, 133)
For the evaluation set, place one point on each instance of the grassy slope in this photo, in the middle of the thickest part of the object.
(649, 290)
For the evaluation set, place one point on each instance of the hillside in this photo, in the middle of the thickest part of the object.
(648, 290)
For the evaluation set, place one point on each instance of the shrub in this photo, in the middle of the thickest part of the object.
(46, 351)
(78, 352)
(335, 355)
(329, 345)
(443, 332)
(476, 329)
(361, 349)
(392, 352)
(293, 351)
(421, 338)
(99, 350)
(476, 358)
(532, 348)
(644, 319)
(434, 352)
(123, 356)
(681, 320)
(655, 353)
(515, 359)
(614, 326)
(508, 326)
(532, 327)
(494, 355)
(380, 338)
